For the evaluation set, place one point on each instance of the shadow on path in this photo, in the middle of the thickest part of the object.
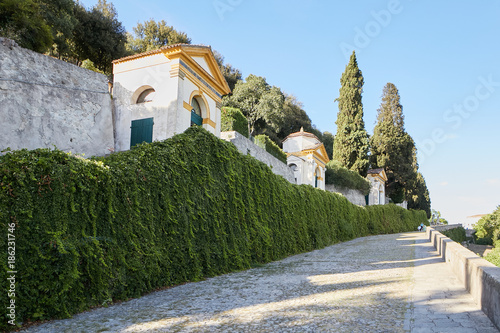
(370, 284)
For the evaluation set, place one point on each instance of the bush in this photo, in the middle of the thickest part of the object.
(342, 177)
(89, 232)
(488, 228)
(494, 256)
(264, 142)
(456, 234)
(232, 119)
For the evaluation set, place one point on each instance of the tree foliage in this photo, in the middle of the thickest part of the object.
(23, 22)
(488, 228)
(260, 102)
(231, 74)
(391, 147)
(294, 117)
(351, 147)
(152, 35)
(418, 195)
(60, 15)
(99, 36)
(327, 140)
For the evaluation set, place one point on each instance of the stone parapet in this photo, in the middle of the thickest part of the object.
(480, 277)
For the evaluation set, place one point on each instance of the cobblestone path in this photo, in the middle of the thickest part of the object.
(388, 283)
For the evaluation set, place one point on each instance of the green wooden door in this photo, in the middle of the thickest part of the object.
(141, 131)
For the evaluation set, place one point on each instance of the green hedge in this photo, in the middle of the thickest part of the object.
(342, 177)
(263, 141)
(456, 234)
(232, 119)
(89, 232)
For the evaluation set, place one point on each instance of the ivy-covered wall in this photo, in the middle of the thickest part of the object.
(89, 232)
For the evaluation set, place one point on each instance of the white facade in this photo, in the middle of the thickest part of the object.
(377, 178)
(165, 85)
(307, 158)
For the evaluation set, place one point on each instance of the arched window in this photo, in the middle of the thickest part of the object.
(146, 96)
(317, 174)
(196, 118)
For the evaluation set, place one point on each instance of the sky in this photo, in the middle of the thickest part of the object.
(443, 56)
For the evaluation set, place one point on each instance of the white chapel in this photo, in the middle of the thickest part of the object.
(307, 157)
(162, 92)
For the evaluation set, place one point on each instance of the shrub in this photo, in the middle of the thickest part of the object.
(264, 142)
(342, 177)
(232, 119)
(494, 256)
(89, 232)
(488, 228)
(456, 234)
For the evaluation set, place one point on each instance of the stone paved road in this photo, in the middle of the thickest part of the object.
(389, 283)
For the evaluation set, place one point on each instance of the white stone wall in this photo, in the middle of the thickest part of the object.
(247, 147)
(354, 196)
(46, 102)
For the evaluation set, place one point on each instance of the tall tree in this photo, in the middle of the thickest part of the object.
(231, 74)
(99, 36)
(391, 147)
(294, 117)
(418, 195)
(60, 15)
(152, 35)
(261, 103)
(328, 142)
(350, 146)
(22, 21)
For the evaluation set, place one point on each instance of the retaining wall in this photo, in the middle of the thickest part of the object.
(354, 196)
(247, 147)
(46, 102)
(480, 277)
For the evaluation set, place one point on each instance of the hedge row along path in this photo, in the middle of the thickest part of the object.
(388, 283)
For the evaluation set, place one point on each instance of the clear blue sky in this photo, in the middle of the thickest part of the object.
(443, 56)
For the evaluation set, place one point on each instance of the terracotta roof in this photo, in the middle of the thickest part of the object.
(476, 216)
(134, 56)
(301, 133)
(375, 171)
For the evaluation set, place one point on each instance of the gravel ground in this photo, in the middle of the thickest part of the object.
(364, 285)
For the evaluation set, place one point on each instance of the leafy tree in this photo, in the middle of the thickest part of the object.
(231, 74)
(436, 218)
(152, 35)
(294, 117)
(99, 36)
(350, 147)
(22, 21)
(488, 228)
(261, 103)
(60, 15)
(391, 147)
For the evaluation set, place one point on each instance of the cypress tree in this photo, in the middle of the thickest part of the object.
(350, 146)
(394, 150)
(418, 195)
